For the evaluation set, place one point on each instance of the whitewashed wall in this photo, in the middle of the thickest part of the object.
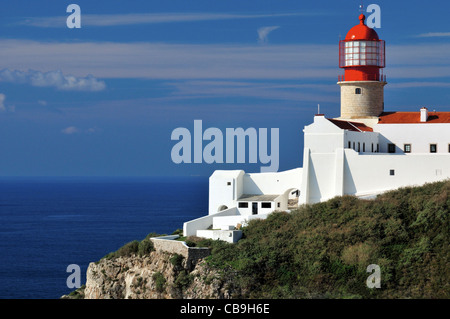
(272, 183)
(225, 187)
(420, 136)
(367, 174)
(327, 175)
(366, 139)
(322, 136)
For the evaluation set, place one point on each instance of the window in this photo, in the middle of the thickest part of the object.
(359, 147)
(243, 205)
(278, 205)
(407, 148)
(255, 208)
(358, 91)
(449, 148)
(266, 205)
(228, 183)
(364, 147)
(350, 145)
(354, 146)
(372, 147)
(433, 148)
(392, 172)
(391, 148)
(378, 148)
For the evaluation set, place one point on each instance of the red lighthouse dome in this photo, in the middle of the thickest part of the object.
(362, 53)
(362, 32)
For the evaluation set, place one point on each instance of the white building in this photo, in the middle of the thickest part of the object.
(363, 153)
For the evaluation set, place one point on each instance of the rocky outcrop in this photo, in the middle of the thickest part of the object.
(157, 275)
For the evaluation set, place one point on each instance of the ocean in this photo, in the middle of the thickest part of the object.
(47, 224)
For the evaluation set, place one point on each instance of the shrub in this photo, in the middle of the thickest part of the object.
(177, 261)
(160, 281)
(183, 280)
(128, 249)
(179, 232)
(145, 247)
(134, 247)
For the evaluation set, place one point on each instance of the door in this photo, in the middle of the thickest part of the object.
(254, 208)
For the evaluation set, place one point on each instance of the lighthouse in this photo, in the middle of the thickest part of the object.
(362, 56)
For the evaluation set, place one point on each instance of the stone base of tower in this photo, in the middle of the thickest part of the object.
(362, 99)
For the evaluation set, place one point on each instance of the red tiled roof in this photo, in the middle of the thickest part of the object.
(351, 126)
(413, 117)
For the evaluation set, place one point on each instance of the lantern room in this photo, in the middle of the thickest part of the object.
(362, 54)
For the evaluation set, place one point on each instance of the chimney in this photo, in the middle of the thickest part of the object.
(423, 114)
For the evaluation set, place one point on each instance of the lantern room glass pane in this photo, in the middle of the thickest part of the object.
(362, 53)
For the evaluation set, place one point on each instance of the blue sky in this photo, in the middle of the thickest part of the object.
(103, 100)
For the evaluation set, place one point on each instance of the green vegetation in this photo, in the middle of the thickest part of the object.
(140, 248)
(182, 277)
(76, 294)
(160, 281)
(323, 250)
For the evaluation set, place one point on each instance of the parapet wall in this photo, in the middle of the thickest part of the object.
(170, 245)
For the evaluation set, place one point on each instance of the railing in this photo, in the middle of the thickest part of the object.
(381, 78)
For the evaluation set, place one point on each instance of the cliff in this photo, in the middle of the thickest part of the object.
(165, 269)
(317, 251)
(155, 276)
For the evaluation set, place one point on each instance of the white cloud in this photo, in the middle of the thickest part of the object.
(269, 91)
(212, 61)
(433, 35)
(407, 85)
(54, 79)
(70, 130)
(106, 20)
(263, 33)
(76, 130)
(173, 61)
(4, 107)
(93, 130)
(2, 102)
